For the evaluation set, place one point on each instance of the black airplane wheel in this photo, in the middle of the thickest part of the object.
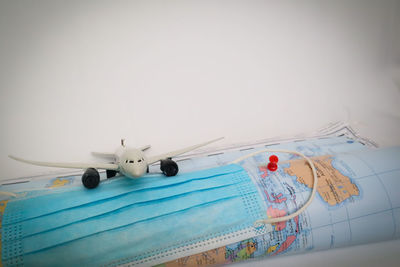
(91, 178)
(169, 167)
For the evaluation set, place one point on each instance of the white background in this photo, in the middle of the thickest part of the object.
(76, 76)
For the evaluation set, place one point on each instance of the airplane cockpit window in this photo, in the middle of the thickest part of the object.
(131, 161)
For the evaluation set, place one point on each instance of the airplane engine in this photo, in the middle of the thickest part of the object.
(169, 167)
(91, 178)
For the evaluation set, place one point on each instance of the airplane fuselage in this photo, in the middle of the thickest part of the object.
(132, 162)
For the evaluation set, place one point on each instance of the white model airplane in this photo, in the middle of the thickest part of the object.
(130, 162)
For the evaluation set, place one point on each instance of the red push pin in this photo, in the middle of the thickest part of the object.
(273, 159)
(272, 165)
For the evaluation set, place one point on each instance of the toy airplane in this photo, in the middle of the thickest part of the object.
(130, 162)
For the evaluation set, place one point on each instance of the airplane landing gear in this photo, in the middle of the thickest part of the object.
(169, 167)
(91, 178)
(111, 173)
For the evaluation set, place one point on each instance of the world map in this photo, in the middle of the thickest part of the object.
(356, 203)
(357, 198)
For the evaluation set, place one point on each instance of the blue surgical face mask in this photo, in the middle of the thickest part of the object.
(126, 220)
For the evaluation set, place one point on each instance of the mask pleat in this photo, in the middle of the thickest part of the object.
(126, 216)
(57, 200)
(141, 239)
(68, 216)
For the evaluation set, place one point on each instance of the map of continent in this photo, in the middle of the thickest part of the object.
(333, 186)
(59, 182)
(208, 258)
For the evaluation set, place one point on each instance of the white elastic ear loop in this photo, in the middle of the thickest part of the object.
(314, 189)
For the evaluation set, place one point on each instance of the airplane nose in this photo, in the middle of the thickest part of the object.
(136, 173)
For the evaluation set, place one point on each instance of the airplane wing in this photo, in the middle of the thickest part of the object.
(175, 153)
(77, 165)
(104, 155)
